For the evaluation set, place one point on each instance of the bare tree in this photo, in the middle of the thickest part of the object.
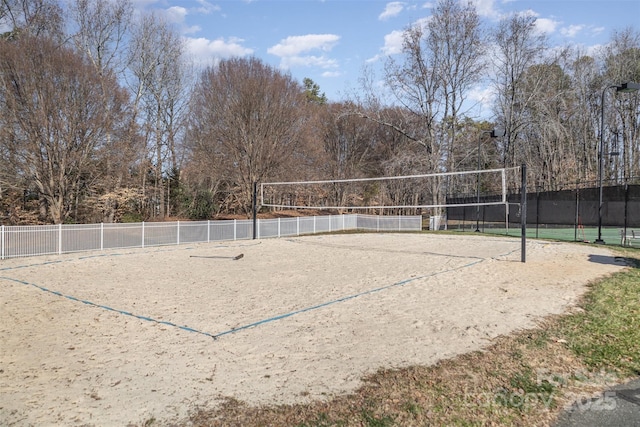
(55, 119)
(246, 119)
(585, 78)
(34, 18)
(548, 151)
(102, 26)
(456, 45)
(621, 133)
(442, 58)
(100, 30)
(518, 46)
(158, 79)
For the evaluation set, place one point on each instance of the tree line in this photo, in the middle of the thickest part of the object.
(105, 118)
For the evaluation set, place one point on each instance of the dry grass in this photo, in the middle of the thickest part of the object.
(524, 379)
(480, 388)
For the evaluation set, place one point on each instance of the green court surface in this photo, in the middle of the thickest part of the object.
(610, 235)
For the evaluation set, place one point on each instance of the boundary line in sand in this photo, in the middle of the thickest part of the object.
(248, 325)
(126, 313)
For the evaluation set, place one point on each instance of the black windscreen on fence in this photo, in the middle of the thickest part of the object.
(576, 208)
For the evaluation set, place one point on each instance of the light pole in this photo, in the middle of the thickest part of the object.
(495, 133)
(624, 87)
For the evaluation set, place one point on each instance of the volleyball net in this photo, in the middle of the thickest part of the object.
(429, 194)
(394, 193)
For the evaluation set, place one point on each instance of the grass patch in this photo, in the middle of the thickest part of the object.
(607, 334)
(522, 379)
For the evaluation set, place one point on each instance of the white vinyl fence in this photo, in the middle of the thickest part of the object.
(32, 240)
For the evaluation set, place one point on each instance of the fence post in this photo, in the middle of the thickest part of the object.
(626, 204)
(208, 231)
(255, 210)
(178, 233)
(143, 234)
(235, 229)
(2, 241)
(60, 239)
(278, 227)
(297, 226)
(102, 236)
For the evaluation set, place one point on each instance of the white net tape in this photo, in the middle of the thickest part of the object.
(437, 190)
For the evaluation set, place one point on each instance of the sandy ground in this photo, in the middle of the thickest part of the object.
(325, 310)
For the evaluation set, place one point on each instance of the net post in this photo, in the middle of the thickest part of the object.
(523, 214)
(504, 185)
(506, 216)
(255, 209)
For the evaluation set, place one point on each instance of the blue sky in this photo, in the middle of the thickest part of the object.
(331, 41)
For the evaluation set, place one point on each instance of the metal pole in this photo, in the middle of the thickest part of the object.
(478, 187)
(625, 87)
(255, 209)
(600, 165)
(626, 205)
(492, 134)
(523, 214)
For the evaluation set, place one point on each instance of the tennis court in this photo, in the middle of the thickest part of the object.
(611, 235)
(115, 337)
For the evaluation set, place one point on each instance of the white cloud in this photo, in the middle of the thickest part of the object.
(542, 25)
(422, 22)
(480, 101)
(546, 25)
(210, 51)
(392, 9)
(295, 45)
(206, 7)
(176, 14)
(393, 42)
(597, 31)
(572, 30)
(308, 61)
(594, 50)
(527, 12)
(292, 51)
(392, 45)
(331, 74)
(487, 8)
(482, 95)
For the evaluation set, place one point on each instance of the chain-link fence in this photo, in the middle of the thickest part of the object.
(571, 214)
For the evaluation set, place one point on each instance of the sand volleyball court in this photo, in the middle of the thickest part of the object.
(117, 337)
